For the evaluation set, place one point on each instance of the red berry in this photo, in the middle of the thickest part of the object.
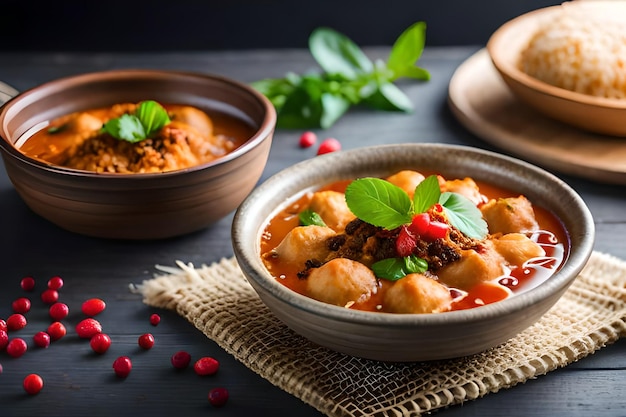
(87, 328)
(27, 283)
(33, 383)
(17, 347)
(59, 311)
(56, 330)
(405, 242)
(3, 325)
(206, 366)
(146, 341)
(181, 359)
(50, 296)
(329, 145)
(16, 321)
(100, 343)
(4, 339)
(55, 283)
(21, 305)
(218, 396)
(155, 319)
(42, 339)
(93, 307)
(307, 139)
(122, 366)
(419, 224)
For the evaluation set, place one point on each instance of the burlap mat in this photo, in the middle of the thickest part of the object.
(219, 302)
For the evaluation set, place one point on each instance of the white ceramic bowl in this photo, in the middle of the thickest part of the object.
(410, 337)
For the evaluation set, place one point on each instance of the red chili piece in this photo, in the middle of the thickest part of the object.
(436, 230)
(146, 341)
(181, 359)
(218, 396)
(59, 311)
(55, 283)
(100, 343)
(27, 283)
(122, 366)
(16, 321)
(206, 366)
(405, 243)
(4, 339)
(50, 296)
(56, 330)
(329, 145)
(155, 319)
(33, 383)
(42, 339)
(307, 139)
(93, 307)
(420, 223)
(21, 305)
(17, 347)
(88, 328)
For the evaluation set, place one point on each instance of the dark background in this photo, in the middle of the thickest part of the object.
(159, 25)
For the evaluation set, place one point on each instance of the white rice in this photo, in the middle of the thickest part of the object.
(583, 49)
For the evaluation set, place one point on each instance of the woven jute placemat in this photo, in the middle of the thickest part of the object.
(218, 300)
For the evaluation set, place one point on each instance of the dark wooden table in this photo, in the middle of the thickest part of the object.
(81, 383)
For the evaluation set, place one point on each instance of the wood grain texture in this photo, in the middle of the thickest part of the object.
(79, 383)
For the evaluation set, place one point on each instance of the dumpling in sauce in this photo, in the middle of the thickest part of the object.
(517, 248)
(417, 294)
(407, 180)
(466, 187)
(303, 243)
(475, 266)
(332, 208)
(509, 215)
(342, 282)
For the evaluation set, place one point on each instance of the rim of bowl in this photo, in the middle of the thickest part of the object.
(524, 26)
(247, 250)
(264, 130)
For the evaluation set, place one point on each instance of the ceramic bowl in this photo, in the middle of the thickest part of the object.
(594, 114)
(410, 337)
(136, 206)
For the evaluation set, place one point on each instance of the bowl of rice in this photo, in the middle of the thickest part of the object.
(568, 62)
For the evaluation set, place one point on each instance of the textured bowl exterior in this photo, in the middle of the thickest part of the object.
(136, 206)
(594, 114)
(410, 337)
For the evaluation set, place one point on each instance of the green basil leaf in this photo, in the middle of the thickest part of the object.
(406, 51)
(336, 53)
(152, 116)
(333, 107)
(378, 202)
(393, 269)
(388, 97)
(309, 217)
(427, 194)
(127, 127)
(464, 215)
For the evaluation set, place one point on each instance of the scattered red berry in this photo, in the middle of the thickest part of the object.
(21, 305)
(50, 296)
(93, 307)
(87, 328)
(122, 366)
(100, 343)
(27, 283)
(218, 396)
(3, 325)
(181, 359)
(58, 311)
(33, 383)
(16, 321)
(146, 341)
(55, 283)
(17, 347)
(4, 339)
(307, 139)
(206, 366)
(42, 339)
(56, 330)
(329, 145)
(155, 319)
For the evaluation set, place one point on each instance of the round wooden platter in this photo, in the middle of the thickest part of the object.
(482, 102)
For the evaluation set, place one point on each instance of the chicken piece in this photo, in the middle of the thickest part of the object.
(482, 264)
(193, 117)
(332, 208)
(466, 187)
(303, 243)
(509, 215)
(407, 180)
(341, 282)
(417, 294)
(517, 248)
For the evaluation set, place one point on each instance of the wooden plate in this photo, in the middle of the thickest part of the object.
(482, 102)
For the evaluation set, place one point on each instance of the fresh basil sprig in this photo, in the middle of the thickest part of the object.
(308, 217)
(149, 117)
(348, 78)
(393, 269)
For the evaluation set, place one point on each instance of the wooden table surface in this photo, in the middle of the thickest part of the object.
(80, 383)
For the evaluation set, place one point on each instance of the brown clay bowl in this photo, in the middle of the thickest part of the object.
(410, 337)
(136, 206)
(594, 114)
